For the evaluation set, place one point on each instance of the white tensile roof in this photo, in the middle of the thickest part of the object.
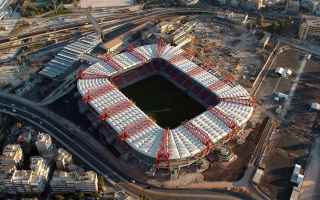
(182, 144)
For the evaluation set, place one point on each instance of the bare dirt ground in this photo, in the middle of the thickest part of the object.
(310, 187)
(295, 137)
(234, 171)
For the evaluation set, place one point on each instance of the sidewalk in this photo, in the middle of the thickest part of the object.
(311, 184)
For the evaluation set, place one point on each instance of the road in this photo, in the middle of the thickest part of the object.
(310, 185)
(294, 86)
(92, 153)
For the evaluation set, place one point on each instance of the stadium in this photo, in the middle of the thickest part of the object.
(227, 105)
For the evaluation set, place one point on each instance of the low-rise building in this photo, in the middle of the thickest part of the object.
(309, 27)
(189, 2)
(114, 45)
(314, 106)
(260, 4)
(87, 182)
(12, 153)
(293, 7)
(121, 41)
(256, 179)
(74, 182)
(184, 41)
(310, 5)
(166, 27)
(40, 167)
(44, 144)
(24, 140)
(296, 176)
(63, 159)
(6, 169)
(6, 172)
(27, 181)
(183, 31)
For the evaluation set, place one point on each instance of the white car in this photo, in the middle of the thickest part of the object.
(283, 72)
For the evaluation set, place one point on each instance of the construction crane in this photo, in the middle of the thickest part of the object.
(163, 154)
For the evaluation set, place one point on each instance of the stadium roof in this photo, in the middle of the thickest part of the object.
(182, 143)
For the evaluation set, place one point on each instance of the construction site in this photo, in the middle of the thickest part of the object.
(184, 101)
(228, 105)
(173, 110)
(189, 115)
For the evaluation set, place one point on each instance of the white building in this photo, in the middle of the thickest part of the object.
(315, 106)
(44, 144)
(74, 182)
(63, 159)
(260, 4)
(297, 177)
(189, 2)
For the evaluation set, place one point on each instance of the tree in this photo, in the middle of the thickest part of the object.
(260, 20)
(81, 196)
(59, 197)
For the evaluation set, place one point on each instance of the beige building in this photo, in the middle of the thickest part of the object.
(6, 172)
(309, 28)
(6, 169)
(186, 29)
(63, 159)
(114, 45)
(184, 41)
(12, 154)
(26, 181)
(74, 182)
(260, 4)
